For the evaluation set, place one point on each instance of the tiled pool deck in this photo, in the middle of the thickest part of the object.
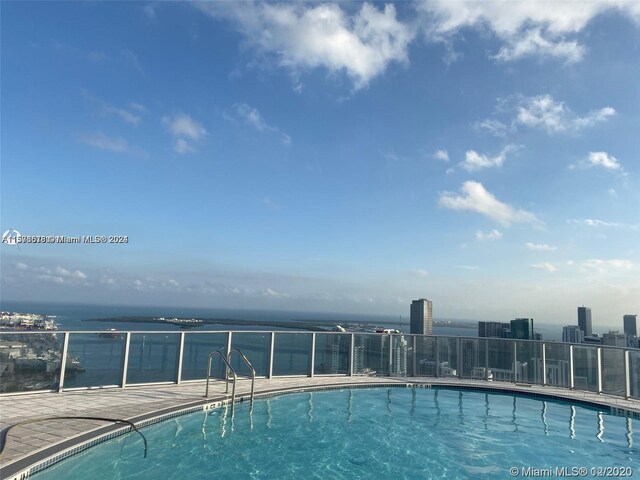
(38, 440)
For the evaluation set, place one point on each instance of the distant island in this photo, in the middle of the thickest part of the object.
(301, 324)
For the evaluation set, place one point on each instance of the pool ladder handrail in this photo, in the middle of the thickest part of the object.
(248, 363)
(226, 377)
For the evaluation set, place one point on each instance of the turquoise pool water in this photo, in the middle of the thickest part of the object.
(395, 433)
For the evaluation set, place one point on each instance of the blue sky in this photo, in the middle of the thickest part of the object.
(326, 156)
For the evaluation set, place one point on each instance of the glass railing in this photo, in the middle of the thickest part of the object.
(35, 361)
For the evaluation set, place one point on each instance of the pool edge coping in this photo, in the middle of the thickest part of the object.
(35, 462)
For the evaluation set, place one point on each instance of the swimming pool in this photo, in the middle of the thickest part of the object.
(368, 433)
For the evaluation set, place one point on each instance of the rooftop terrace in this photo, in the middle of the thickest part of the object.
(110, 375)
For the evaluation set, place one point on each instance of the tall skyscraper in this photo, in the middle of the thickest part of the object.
(630, 325)
(421, 319)
(522, 328)
(494, 329)
(572, 334)
(584, 320)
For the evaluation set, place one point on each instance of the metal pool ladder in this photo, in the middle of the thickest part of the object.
(248, 364)
(229, 369)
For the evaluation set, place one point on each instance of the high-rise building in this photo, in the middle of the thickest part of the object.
(494, 329)
(400, 350)
(630, 325)
(572, 334)
(522, 328)
(615, 339)
(421, 319)
(584, 320)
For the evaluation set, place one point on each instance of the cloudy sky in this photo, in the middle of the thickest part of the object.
(342, 157)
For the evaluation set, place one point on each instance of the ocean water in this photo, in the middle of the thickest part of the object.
(72, 317)
(397, 433)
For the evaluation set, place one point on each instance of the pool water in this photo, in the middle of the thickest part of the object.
(398, 433)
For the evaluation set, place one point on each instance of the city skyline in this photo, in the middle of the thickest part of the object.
(359, 156)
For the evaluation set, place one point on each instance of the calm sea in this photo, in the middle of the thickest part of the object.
(73, 316)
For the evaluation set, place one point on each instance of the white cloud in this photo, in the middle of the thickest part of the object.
(22, 266)
(103, 142)
(182, 125)
(526, 28)
(182, 146)
(544, 112)
(250, 116)
(533, 43)
(184, 130)
(609, 266)
(299, 36)
(63, 272)
(543, 247)
(492, 126)
(475, 198)
(548, 267)
(492, 235)
(113, 144)
(592, 222)
(441, 155)
(130, 115)
(475, 161)
(603, 159)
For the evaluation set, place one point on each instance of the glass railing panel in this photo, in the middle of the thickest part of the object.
(558, 364)
(529, 362)
(585, 368)
(634, 371)
(401, 355)
(371, 354)
(195, 355)
(425, 356)
(153, 357)
(256, 347)
(332, 354)
(473, 358)
(94, 359)
(30, 361)
(613, 373)
(292, 354)
(447, 356)
(500, 360)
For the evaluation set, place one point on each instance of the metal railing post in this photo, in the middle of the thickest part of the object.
(313, 354)
(125, 360)
(627, 375)
(544, 364)
(437, 349)
(63, 362)
(599, 358)
(459, 356)
(515, 361)
(271, 349)
(486, 360)
(226, 371)
(390, 355)
(572, 384)
(415, 356)
(352, 348)
(180, 355)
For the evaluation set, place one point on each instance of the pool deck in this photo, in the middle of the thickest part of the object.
(39, 439)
